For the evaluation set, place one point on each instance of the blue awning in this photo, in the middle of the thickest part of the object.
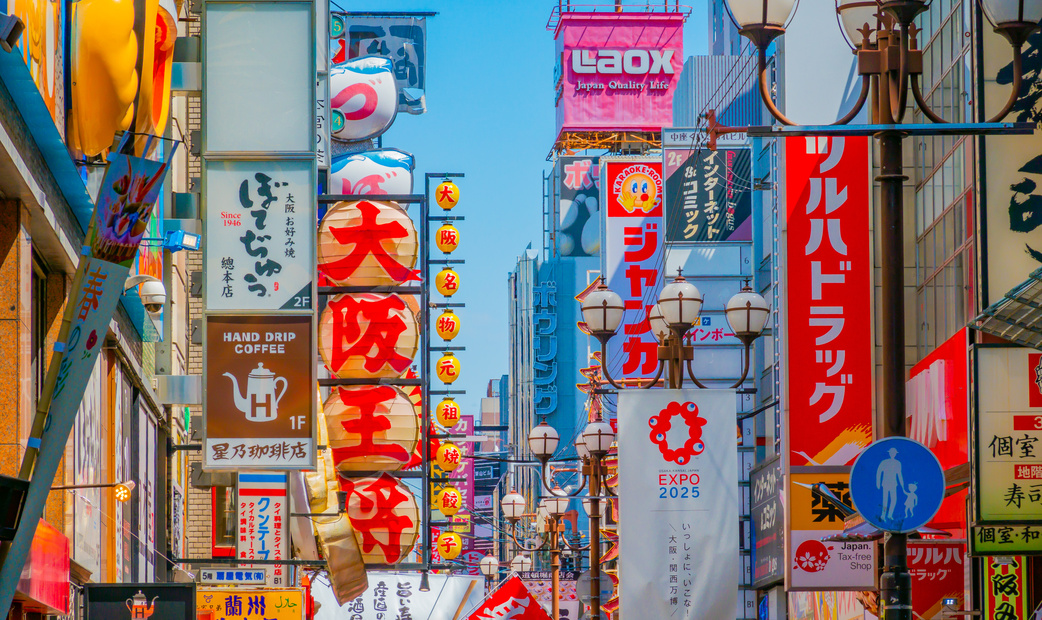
(30, 105)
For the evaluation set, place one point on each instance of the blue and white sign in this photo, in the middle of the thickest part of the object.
(897, 484)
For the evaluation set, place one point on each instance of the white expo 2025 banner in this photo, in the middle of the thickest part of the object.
(678, 502)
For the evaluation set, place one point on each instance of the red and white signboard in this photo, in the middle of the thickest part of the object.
(633, 251)
(938, 572)
(264, 522)
(828, 267)
(510, 600)
(617, 70)
(936, 410)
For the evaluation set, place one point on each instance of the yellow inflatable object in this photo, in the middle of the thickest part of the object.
(104, 51)
(153, 101)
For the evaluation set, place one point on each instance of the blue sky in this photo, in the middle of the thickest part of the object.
(491, 116)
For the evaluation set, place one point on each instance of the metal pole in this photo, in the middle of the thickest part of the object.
(425, 368)
(555, 570)
(895, 583)
(595, 536)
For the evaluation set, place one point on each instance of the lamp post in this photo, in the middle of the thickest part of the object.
(489, 567)
(677, 311)
(596, 440)
(890, 62)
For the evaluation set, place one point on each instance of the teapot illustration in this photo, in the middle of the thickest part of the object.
(260, 404)
(139, 607)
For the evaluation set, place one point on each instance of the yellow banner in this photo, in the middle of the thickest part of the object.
(244, 604)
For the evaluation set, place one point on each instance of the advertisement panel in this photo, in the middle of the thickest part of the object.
(45, 576)
(1013, 171)
(617, 71)
(42, 45)
(398, 595)
(829, 299)
(678, 503)
(768, 524)
(1009, 460)
(1005, 589)
(633, 258)
(264, 522)
(938, 573)
(510, 600)
(708, 194)
(937, 418)
(820, 605)
(155, 601)
(401, 39)
(816, 565)
(245, 604)
(260, 238)
(1006, 540)
(578, 195)
(540, 585)
(259, 395)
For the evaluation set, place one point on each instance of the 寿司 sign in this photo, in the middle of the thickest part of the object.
(617, 70)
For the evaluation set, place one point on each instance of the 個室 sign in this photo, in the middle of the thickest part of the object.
(259, 397)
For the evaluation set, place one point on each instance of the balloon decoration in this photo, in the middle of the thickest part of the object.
(385, 516)
(363, 97)
(369, 335)
(450, 500)
(450, 545)
(448, 368)
(367, 243)
(372, 173)
(446, 195)
(371, 428)
(447, 325)
(448, 457)
(447, 282)
(447, 238)
(447, 413)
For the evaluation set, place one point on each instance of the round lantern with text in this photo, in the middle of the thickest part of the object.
(447, 325)
(447, 368)
(371, 428)
(450, 500)
(447, 238)
(385, 517)
(450, 545)
(367, 243)
(447, 282)
(447, 413)
(369, 335)
(448, 457)
(446, 195)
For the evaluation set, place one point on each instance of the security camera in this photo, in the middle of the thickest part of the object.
(153, 296)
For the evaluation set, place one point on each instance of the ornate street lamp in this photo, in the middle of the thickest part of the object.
(677, 311)
(592, 446)
(890, 63)
(489, 567)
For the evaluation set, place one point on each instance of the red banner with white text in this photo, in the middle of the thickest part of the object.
(510, 600)
(828, 266)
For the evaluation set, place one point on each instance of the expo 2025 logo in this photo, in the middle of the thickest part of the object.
(663, 422)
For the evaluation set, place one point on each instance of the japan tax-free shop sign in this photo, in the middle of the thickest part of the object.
(259, 392)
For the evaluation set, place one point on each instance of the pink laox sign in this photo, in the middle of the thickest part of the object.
(618, 70)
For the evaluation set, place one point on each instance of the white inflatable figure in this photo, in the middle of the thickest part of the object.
(363, 97)
(372, 173)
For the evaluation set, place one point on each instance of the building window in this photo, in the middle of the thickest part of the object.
(225, 517)
(40, 324)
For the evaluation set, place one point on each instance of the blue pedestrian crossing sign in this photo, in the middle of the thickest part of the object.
(897, 484)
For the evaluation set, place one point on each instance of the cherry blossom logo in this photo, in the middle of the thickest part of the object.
(812, 556)
(663, 422)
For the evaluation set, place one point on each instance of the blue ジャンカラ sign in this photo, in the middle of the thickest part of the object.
(897, 484)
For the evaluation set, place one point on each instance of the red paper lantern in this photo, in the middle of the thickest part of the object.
(385, 516)
(369, 335)
(371, 428)
(367, 243)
